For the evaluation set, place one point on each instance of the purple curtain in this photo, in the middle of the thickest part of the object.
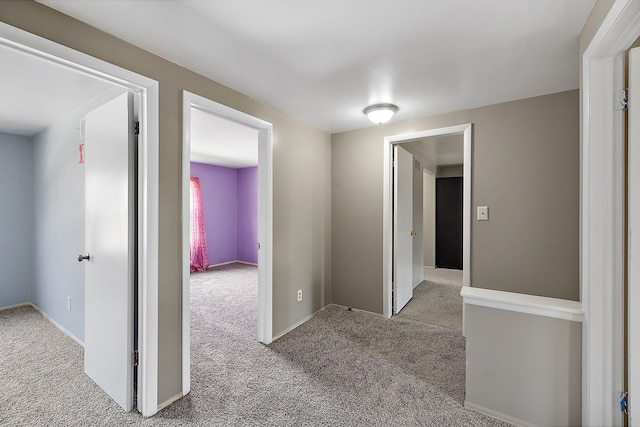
(199, 253)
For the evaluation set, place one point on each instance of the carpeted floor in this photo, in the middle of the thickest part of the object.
(342, 368)
(437, 299)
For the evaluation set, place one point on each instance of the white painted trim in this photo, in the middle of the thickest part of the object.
(601, 260)
(232, 262)
(292, 327)
(522, 303)
(9, 307)
(56, 324)
(169, 401)
(147, 89)
(186, 242)
(387, 207)
(497, 415)
(46, 316)
(633, 224)
(265, 219)
(358, 310)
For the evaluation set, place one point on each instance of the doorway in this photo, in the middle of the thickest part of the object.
(388, 238)
(191, 103)
(45, 53)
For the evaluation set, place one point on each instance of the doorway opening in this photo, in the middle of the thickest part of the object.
(438, 238)
(195, 106)
(389, 262)
(108, 80)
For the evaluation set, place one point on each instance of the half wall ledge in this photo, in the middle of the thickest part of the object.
(523, 303)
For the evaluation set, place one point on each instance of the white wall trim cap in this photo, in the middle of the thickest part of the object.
(523, 303)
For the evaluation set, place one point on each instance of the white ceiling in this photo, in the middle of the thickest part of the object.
(437, 151)
(324, 61)
(222, 142)
(37, 93)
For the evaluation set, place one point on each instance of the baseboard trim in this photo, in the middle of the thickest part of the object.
(232, 262)
(370, 313)
(57, 325)
(9, 307)
(169, 401)
(291, 328)
(255, 264)
(497, 415)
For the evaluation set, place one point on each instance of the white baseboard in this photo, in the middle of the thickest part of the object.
(371, 313)
(9, 307)
(497, 415)
(291, 328)
(57, 325)
(232, 262)
(169, 401)
(247, 263)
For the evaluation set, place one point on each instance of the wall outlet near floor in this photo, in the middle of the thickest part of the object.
(69, 303)
(299, 295)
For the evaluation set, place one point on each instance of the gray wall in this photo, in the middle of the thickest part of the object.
(525, 167)
(301, 156)
(16, 210)
(450, 171)
(524, 366)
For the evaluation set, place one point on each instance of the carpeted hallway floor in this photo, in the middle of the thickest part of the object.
(342, 368)
(437, 299)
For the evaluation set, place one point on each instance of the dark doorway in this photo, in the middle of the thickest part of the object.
(449, 223)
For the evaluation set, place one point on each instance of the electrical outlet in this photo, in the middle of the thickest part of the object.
(299, 295)
(69, 303)
(483, 213)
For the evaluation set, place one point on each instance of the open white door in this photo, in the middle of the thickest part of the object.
(633, 224)
(418, 236)
(402, 228)
(110, 248)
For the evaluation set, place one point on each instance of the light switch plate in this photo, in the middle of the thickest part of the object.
(483, 213)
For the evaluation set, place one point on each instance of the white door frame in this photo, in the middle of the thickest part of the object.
(265, 219)
(387, 208)
(633, 225)
(602, 213)
(147, 90)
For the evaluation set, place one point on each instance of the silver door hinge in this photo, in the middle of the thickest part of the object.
(136, 128)
(622, 100)
(624, 402)
(136, 355)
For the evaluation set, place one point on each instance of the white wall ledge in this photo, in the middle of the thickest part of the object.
(523, 303)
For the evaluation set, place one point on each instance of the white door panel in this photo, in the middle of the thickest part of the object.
(403, 228)
(418, 236)
(109, 241)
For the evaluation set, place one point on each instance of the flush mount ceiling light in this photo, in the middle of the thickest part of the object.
(380, 113)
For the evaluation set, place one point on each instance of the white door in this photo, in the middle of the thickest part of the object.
(402, 228)
(633, 224)
(418, 236)
(109, 243)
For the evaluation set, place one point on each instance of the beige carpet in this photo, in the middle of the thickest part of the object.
(437, 299)
(341, 368)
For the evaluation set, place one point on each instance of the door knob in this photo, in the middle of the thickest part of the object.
(83, 257)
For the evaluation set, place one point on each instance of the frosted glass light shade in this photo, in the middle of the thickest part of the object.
(380, 113)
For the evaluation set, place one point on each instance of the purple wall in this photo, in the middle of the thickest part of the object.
(248, 215)
(230, 208)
